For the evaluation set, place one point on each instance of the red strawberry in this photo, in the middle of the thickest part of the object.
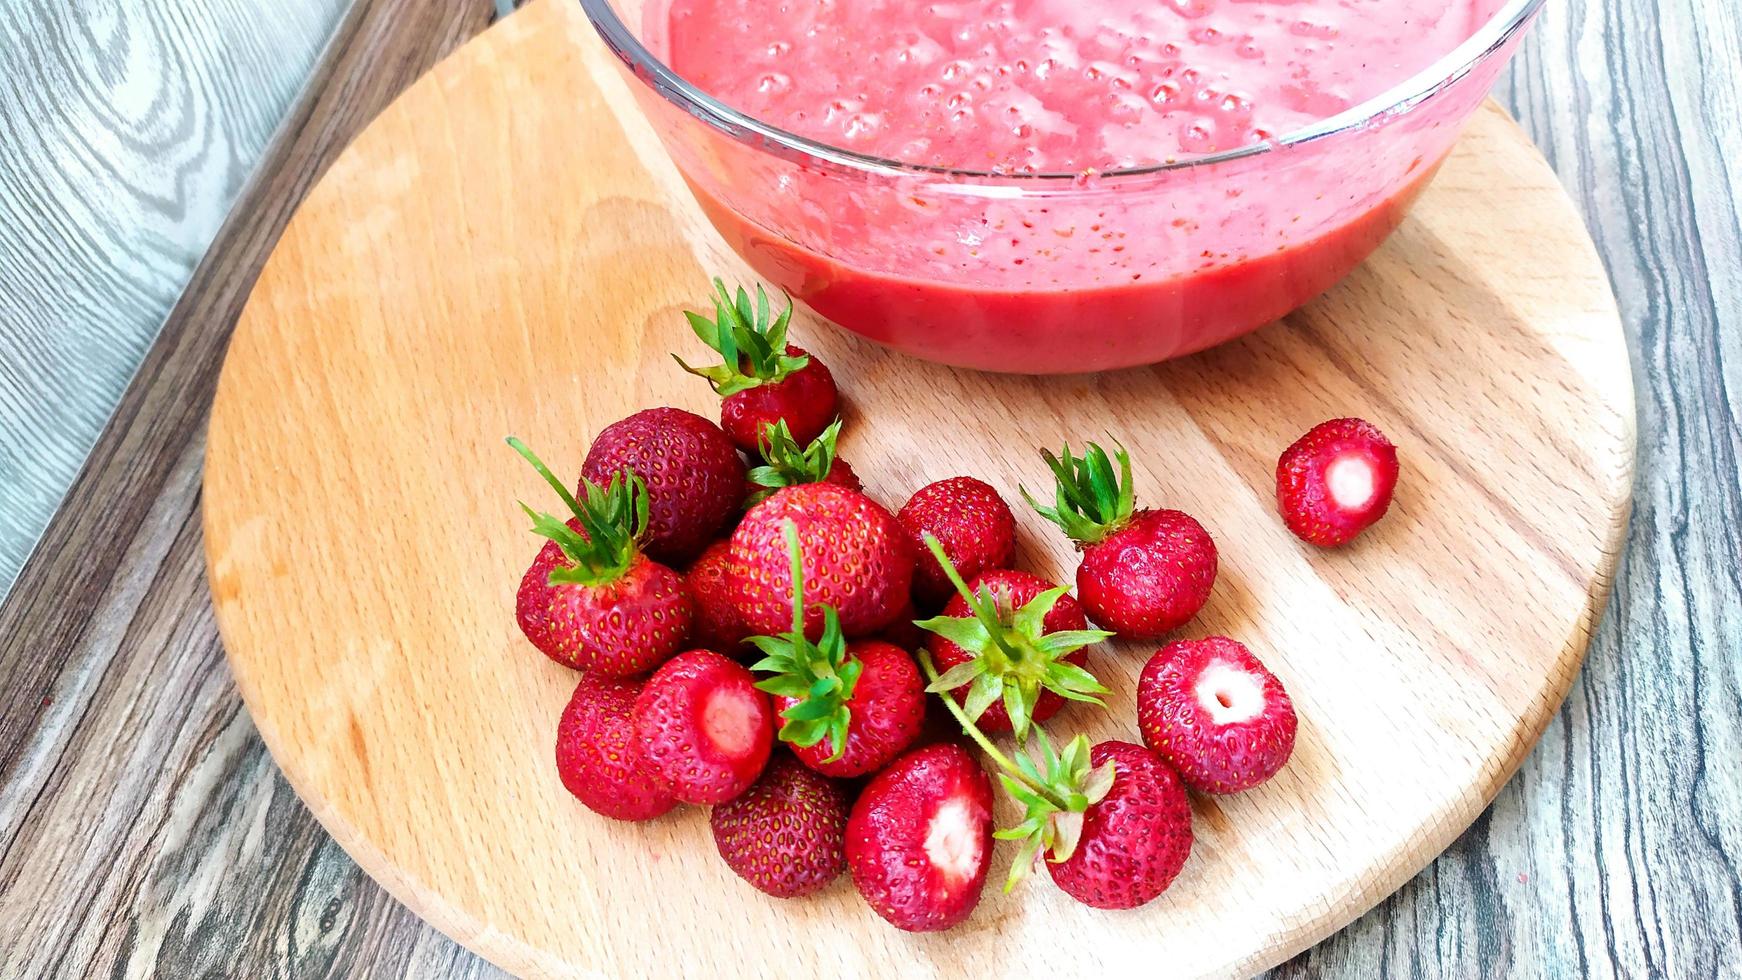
(1336, 481)
(1144, 572)
(694, 477)
(972, 522)
(1213, 712)
(598, 756)
(761, 378)
(787, 464)
(717, 625)
(1013, 629)
(919, 840)
(857, 557)
(600, 604)
(704, 727)
(787, 834)
(1135, 839)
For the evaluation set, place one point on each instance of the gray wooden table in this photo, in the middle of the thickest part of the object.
(143, 829)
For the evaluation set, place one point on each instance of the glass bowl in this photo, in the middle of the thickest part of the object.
(1054, 273)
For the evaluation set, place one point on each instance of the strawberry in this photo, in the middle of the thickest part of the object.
(974, 524)
(919, 839)
(717, 625)
(1144, 572)
(847, 709)
(786, 464)
(787, 835)
(1135, 839)
(704, 727)
(1212, 710)
(1336, 481)
(1012, 648)
(600, 604)
(858, 560)
(761, 379)
(694, 477)
(598, 756)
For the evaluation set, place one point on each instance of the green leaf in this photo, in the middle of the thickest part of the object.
(981, 694)
(783, 685)
(611, 518)
(1031, 618)
(962, 673)
(1090, 500)
(969, 634)
(748, 337)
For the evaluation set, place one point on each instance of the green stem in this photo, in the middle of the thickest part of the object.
(973, 732)
(549, 477)
(797, 559)
(988, 619)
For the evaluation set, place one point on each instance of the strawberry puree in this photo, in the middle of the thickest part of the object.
(1012, 274)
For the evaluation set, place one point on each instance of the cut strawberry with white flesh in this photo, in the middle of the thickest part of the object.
(1336, 481)
(919, 839)
(1211, 710)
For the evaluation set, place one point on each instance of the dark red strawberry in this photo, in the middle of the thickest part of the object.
(761, 378)
(972, 522)
(694, 477)
(787, 835)
(1013, 638)
(704, 726)
(600, 604)
(598, 756)
(919, 840)
(1144, 572)
(787, 464)
(1336, 481)
(1135, 839)
(717, 625)
(1213, 711)
(857, 559)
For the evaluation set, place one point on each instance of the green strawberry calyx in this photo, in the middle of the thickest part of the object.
(1090, 502)
(750, 340)
(613, 518)
(1055, 790)
(787, 464)
(820, 675)
(1014, 658)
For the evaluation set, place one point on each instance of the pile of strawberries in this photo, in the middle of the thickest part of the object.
(781, 678)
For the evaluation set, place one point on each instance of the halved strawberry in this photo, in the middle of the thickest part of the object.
(919, 839)
(598, 756)
(1213, 711)
(787, 835)
(704, 727)
(1336, 481)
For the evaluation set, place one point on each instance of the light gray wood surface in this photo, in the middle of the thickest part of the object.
(143, 828)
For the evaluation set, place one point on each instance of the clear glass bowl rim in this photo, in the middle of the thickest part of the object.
(1493, 35)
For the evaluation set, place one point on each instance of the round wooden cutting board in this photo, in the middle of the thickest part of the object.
(507, 251)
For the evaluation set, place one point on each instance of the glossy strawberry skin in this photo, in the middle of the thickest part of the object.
(532, 599)
(1135, 840)
(786, 835)
(841, 475)
(972, 523)
(1149, 577)
(806, 399)
(913, 887)
(856, 559)
(887, 712)
(1304, 490)
(622, 628)
(1013, 589)
(717, 625)
(703, 727)
(598, 756)
(694, 476)
(1214, 755)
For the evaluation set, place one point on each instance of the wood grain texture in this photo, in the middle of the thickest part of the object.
(126, 130)
(413, 718)
(1614, 852)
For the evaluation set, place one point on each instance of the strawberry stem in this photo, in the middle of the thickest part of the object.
(611, 519)
(819, 677)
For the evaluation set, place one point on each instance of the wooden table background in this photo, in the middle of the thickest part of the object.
(143, 828)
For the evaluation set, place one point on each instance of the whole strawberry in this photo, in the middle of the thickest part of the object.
(857, 559)
(919, 839)
(761, 378)
(973, 523)
(787, 835)
(704, 727)
(717, 625)
(1212, 711)
(1336, 481)
(600, 604)
(1135, 839)
(598, 756)
(694, 477)
(787, 464)
(1144, 572)
(847, 709)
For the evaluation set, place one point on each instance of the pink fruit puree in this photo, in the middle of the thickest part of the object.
(1013, 274)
